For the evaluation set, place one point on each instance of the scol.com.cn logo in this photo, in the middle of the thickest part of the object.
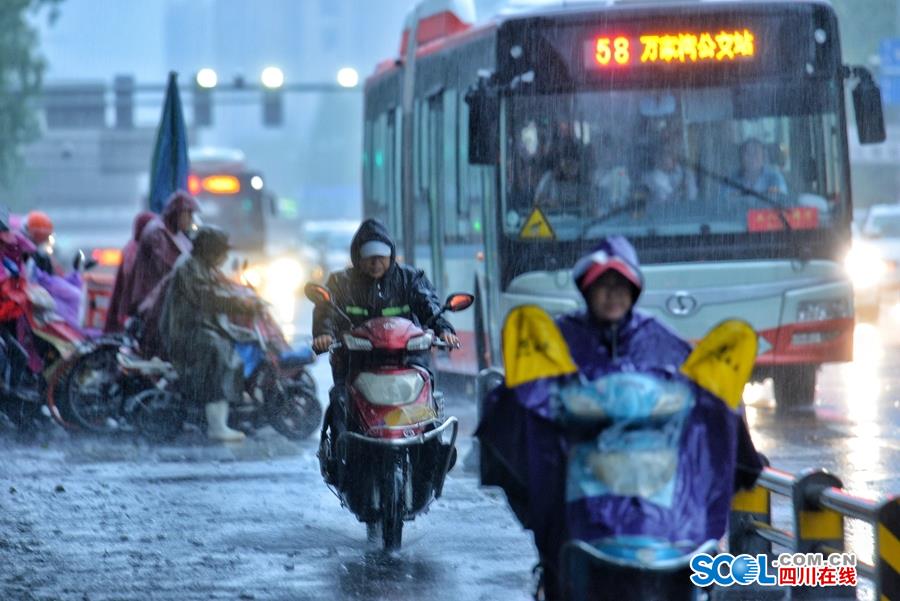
(788, 569)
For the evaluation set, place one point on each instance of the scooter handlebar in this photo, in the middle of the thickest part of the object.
(443, 346)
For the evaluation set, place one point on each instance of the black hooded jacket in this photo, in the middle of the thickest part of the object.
(403, 291)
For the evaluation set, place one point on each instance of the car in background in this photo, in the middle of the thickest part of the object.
(326, 246)
(872, 262)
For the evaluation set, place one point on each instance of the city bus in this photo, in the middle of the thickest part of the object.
(711, 134)
(237, 199)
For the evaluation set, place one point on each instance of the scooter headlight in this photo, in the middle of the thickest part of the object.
(390, 389)
(419, 343)
(354, 343)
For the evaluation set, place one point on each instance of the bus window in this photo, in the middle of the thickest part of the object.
(701, 160)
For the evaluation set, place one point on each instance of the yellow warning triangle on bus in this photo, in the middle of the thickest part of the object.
(537, 226)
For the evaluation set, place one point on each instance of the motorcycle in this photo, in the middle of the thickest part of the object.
(392, 460)
(116, 388)
(625, 430)
(635, 468)
(33, 375)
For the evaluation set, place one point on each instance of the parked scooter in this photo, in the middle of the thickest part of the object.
(115, 388)
(31, 376)
(392, 460)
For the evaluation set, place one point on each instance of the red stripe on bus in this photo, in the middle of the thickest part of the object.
(837, 347)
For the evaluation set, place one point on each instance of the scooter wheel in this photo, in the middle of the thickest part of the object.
(158, 414)
(293, 410)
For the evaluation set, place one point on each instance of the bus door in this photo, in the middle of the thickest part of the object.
(429, 196)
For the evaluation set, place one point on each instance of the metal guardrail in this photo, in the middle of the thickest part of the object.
(819, 506)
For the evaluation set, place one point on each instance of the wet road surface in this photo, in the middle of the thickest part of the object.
(86, 519)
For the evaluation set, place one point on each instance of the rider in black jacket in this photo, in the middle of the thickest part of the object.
(375, 286)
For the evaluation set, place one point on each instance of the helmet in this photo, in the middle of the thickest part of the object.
(210, 241)
(38, 226)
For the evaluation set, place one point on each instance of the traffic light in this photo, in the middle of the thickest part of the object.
(273, 108)
(123, 89)
(202, 105)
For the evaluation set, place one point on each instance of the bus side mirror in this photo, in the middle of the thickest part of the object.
(867, 108)
(484, 123)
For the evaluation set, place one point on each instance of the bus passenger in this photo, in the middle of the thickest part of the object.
(756, 173)
(668, 180)
(563, 185)
(609, 179)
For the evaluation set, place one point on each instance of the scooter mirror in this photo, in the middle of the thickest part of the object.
(317, 294)
(459, 301)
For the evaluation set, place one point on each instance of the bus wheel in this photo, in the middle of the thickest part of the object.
(795, 386)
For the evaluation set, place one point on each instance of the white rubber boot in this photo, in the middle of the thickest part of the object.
(217, 424)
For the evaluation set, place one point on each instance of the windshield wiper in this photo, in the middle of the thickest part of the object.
(638, 202)
(779, 207)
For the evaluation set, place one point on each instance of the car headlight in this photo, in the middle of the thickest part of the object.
(823, 310)
(252, 276)
(285, 274)
(865, 266)
(390, 389)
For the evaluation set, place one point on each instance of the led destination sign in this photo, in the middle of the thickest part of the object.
(657, 48)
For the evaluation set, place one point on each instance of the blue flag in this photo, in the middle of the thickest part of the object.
(169, 170)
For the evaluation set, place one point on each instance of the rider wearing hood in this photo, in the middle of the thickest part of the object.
(196, 331)
(161, 243)
(524, 448)
(609, 331)
(377, 286)
(120, 300)
(374, 286)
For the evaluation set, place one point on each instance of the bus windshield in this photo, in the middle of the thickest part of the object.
(674, 162)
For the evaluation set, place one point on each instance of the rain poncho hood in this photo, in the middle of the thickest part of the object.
(178, 201)
(613, 253)
(370, 229)
(140, 222)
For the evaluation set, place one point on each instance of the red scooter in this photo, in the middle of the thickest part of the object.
(31, 377)
(392, 459)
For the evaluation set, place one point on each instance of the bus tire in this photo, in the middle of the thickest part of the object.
(795, 386)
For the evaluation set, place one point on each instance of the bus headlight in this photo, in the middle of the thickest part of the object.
(865, 266)
(824, 310)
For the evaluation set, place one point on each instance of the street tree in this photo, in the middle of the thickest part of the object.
(21, 74)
